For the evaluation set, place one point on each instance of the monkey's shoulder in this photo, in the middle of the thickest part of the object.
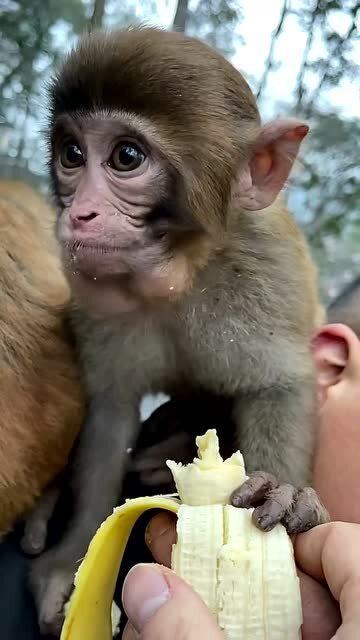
(271, 233)
(267, 262)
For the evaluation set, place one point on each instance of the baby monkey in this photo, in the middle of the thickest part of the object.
(187, 272)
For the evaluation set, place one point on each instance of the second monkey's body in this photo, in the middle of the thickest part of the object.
(188, 274)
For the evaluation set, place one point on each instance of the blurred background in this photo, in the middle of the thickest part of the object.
(301, 57)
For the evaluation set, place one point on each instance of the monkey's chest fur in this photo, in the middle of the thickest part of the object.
(218, 343)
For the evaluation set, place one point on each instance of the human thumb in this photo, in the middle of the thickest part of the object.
(159, 606)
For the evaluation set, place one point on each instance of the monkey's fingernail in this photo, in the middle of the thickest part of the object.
(239, 500)
(243, 497)
(294, 525)
(265, 522)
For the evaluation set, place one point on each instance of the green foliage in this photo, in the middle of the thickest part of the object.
(216, 21)
(28, 52)
(328, 196)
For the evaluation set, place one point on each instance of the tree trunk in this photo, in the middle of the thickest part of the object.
(313, 19)
(181, 16)
(269, 61)
(97, 17)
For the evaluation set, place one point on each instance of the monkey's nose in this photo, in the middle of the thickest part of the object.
(81, 219)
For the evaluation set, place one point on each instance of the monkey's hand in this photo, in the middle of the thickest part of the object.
(36, 522)
(150, 462)
(297, 509)
(51, 581)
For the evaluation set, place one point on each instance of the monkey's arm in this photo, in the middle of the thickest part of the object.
(98, 469)
(275, 427)
(100, 461)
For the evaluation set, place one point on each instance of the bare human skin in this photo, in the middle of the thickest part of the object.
(186, 269)
(336, 470)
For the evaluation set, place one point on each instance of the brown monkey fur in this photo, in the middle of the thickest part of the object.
(41, 402)
(188, 273)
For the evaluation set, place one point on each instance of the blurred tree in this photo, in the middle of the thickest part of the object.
(336, 63)
(126, 12)
(330, 181)
(327, 196)
(28, 50)
(270, 64)
(334, 152)
(216, 22)
(181, 16)
(309, 18)
(98, 14)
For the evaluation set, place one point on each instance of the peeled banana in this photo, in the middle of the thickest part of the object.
(246, 577)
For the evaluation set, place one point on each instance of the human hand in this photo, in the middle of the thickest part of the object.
(321, 612)
(330, 554)
(160, 605)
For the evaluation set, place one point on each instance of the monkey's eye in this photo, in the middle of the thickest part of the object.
(71, 155)
(126, 157)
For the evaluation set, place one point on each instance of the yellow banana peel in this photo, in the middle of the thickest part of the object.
(88, 615)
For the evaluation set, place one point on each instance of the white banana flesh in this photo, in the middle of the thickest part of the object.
(245, 576)
(195, 555)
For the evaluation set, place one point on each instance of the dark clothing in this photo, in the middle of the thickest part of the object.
(18, 617)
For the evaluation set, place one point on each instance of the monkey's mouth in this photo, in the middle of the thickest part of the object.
(95, 260)
(78, 247)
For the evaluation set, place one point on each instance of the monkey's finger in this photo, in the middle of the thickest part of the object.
(307, 512)
(278, 502)
(51, 587)
(151, 458)
(34, 538)
(32, 546)
(36, 522)
(254, 489)
(160, 535)
(157, 478)
(148, 460)
(51, 612)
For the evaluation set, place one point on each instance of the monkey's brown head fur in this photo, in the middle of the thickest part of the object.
(200, 107)
(149, 130)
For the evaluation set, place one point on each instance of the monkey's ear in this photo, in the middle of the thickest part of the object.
(276, 148)
(336, 352)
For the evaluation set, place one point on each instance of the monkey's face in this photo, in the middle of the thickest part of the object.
(153, 136)
(117, 222)
(145, 143)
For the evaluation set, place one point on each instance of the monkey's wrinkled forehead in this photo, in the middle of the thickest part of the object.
(154, 73)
